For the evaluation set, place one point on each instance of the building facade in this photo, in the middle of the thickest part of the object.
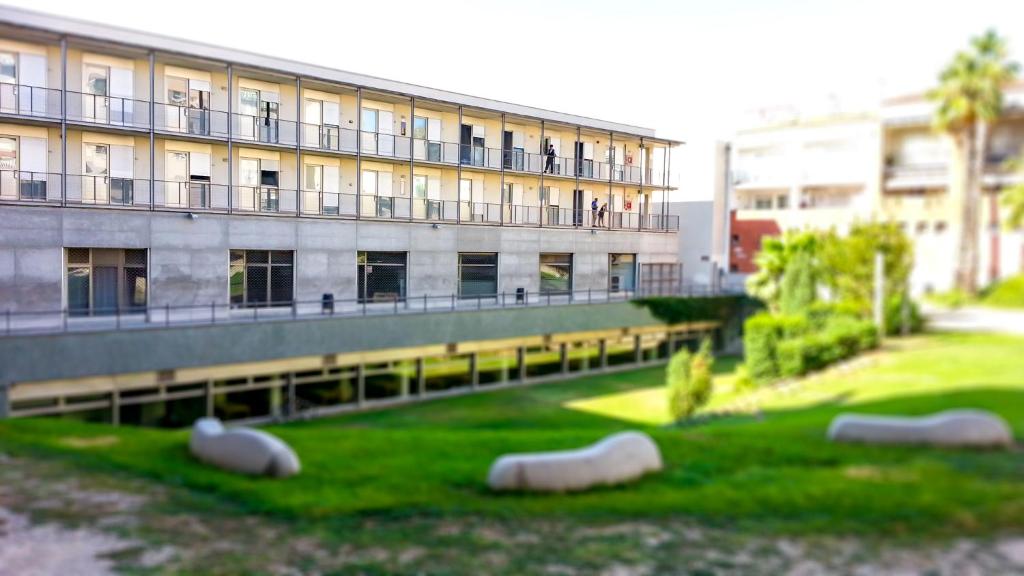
(143, 172)
(887, 164)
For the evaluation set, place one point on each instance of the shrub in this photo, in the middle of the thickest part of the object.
(819, 313)
(761, 336)
(1006, 294)
(689, 380)
(799, 286)
(790, 355)
(894, 316)
(743, 380)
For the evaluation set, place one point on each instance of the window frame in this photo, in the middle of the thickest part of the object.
(494, 266)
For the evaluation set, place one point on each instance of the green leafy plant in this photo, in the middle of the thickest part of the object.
(688, 380)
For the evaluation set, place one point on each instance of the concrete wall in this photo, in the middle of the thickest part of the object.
(189, 257)
(32, 358)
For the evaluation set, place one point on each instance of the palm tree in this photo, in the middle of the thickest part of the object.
(1013, 197)
(968, 99)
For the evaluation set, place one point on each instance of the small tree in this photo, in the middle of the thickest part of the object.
(688, 379)
(847, 263)
(772, 260)
(799, 287)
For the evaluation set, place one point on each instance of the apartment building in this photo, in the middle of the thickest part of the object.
(826, 171)
(151, 182)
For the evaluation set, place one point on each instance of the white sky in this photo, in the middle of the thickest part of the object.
(689, 69)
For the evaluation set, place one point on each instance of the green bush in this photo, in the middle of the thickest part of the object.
(761, 336)
(894, 316)
(1008, 293)
(791, 355)
(688, 379)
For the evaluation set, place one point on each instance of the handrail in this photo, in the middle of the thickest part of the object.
(64, 320)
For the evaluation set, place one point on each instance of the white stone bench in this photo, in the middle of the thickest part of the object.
(616, 459)
(243, 450)
(954, 428)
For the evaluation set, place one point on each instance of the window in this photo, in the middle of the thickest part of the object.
(381, 276)
(105, 280)
(261, 278)
(622, 272)
(782, 201)
(762, 203)
(323, 124)
(8, 68)
(555, 273)
(478, 274)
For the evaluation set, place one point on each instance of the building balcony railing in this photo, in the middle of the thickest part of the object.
(31, 101)
(26, 186)
(107, 110)
(187, 120)
(912, 171)
(14, 323)
(264, 130)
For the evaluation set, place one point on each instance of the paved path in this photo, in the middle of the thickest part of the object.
(976, 319)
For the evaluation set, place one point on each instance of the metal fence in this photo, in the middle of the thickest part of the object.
(17, 322)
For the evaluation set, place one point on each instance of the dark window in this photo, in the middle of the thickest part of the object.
(478, 274)
(555, 273)
(105, 280)
(262, 277)
(381, 276)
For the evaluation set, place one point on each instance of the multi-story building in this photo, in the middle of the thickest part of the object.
(147, 180)
(887, 164)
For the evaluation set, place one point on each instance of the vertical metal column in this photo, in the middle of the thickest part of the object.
(63, 121)
(115, 407)
(298, 146)
(576, 165)
(611, 173)
(231, 131)
(664, 190)
(458, 184)
(412, 163)
(152, 130)
(511, 208)
(543, 166)
(359, 158)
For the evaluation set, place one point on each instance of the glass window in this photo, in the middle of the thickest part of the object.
(419, 186)
(622, 272)
(419, 128)
(369, 120)
(555, 273)
(8, 68)
(369, 183)
(382, 276)
(314, 177)
(177, 91)
(314, 110)
(96, 79)
(478, 274)
(782, 201)
(105, 280)
(248, 101)
(8, 153)
(261, 277)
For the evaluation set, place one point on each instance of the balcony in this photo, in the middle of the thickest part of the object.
(25, 186)
(107, 110)
(30, 101)
(192, 121)
(917, 175)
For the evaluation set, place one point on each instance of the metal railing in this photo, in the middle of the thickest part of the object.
(187, 120)
(29, 100)
(27, 186)
(154, 317)
(107, 190)
(264, 130)
(107, 110)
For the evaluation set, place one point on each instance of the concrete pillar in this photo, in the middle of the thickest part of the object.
(4, 404)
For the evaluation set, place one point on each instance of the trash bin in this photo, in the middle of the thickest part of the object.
(327, 306)
(520, 295)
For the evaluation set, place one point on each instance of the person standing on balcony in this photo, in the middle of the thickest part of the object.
(549, 167)
(600, 214)
(593, 212)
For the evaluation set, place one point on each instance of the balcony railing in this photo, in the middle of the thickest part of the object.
(29, 101)
(107, 110)
(13, 323)
(186, 120)
(110, 191)
(929, 170)
(263, 199)
(264, 130)
(26, 186)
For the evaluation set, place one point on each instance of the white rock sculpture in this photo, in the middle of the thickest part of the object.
(616, 459)
(955, 428)
(244, 450)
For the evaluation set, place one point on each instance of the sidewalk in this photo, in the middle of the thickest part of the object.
(975, 319)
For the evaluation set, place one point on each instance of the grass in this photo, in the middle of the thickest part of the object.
(1008, 293)
(771, 471)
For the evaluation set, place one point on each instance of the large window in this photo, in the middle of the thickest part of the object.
(622, 272)
(103, 280)
(555, 273)
(478, 274)
(381, 276)
(262, 277)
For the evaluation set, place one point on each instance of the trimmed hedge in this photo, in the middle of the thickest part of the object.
(778, 346)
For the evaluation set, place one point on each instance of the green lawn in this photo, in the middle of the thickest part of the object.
(769, 471)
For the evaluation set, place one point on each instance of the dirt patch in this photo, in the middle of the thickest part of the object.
(89, 442)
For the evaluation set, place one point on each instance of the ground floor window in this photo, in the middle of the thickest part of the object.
(382, 276)
(622, 272)
(262, 277)
(555, 273)
(105, 280)
(478, 274)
